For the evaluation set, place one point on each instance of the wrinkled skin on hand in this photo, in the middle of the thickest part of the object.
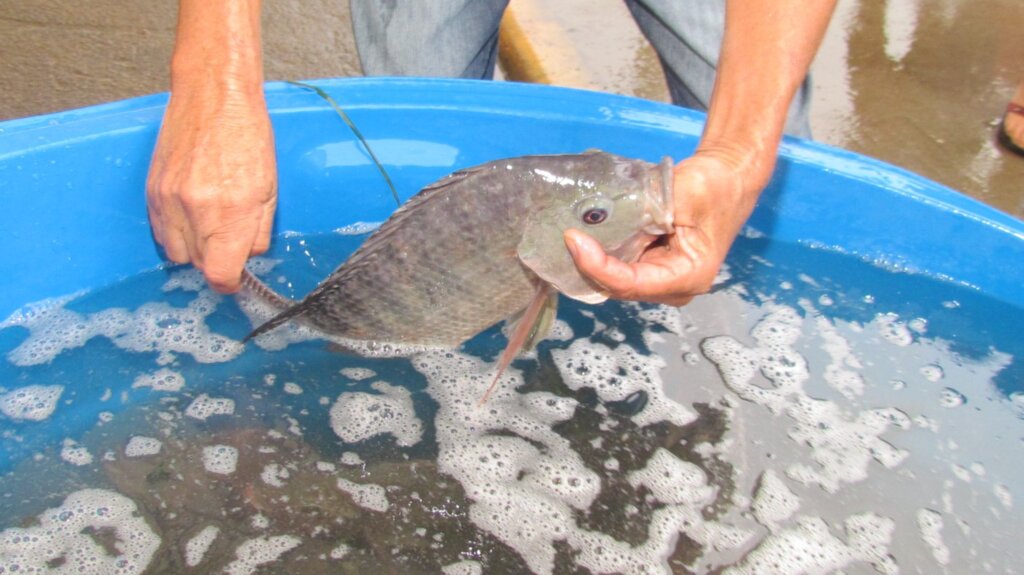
(212, 185)
(712, 201)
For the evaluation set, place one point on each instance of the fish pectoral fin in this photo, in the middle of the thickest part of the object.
(539, 326)
(531, 326)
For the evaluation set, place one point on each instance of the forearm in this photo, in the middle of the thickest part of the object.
(217, 49)
(767, 50)
(212, 185)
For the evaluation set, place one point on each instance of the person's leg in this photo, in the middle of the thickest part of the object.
(688, 36)
(450, 38)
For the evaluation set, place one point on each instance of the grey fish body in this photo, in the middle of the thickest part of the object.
(447, 264)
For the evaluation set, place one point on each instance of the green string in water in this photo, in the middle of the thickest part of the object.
(355, 130)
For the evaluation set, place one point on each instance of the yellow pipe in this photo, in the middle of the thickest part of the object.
(518, 58)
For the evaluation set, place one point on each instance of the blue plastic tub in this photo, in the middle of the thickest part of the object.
(73, 183)
(898, 250)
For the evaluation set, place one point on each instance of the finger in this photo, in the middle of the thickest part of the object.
(170, 238)
(225, 259)
(262, 241)
(643, 280)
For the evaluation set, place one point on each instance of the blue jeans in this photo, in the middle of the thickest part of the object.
(459, 38)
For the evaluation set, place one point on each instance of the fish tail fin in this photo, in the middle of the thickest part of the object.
(536, 317)
(286, 308)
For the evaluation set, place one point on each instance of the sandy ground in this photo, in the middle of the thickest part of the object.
(917, 83)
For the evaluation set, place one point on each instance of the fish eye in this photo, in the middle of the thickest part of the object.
(595, 216)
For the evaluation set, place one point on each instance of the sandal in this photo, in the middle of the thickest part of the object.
(1003, 137)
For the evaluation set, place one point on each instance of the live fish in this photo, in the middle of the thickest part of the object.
(482, 245)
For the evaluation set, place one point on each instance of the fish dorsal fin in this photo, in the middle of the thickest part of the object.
(531, 326)
(397, 220)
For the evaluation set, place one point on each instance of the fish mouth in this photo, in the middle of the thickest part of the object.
(658, 205)
(630, 250)
(657, 213)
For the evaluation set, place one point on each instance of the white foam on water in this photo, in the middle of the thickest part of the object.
(357, 228)
(52, 329)
(220, 459)
(163, 379)
(950, 398)
(187, 279)
(274, 474)
(810, 548)
(560, 331)
(930, 524)
(774, 502)
(1002, 493)
(199, 544)
(259, 522)
(141, 446)
(357, 416)
(65, 537)
(467, 567)
(350, 458)
(549, 407)
(724, 537)
(163, 328)
(292, 388)
(358, 373)
(772, 373)
(205, 406)
(893, 330)
(842, 373)
(616, 374)
(154, 327)
(918, 325)
(672, 480)
(340, 551)
(932, 372)
(74, 453)
(31, 403)
(368, 496)
(842, 447)
(525, 481)
(260, 551)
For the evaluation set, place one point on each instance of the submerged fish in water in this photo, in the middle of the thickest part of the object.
(485, 244)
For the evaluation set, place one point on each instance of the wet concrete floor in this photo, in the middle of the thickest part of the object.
(917, 83)
(920, 84)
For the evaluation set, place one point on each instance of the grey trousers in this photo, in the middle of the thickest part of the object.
(459, 38)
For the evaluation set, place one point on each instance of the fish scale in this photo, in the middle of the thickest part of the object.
(447, 265)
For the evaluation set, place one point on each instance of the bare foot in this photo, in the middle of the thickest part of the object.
(1012, 136)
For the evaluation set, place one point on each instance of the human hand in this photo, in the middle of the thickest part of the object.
(212, 185)
(714, 192)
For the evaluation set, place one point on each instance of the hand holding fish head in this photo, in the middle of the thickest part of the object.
(624, 207)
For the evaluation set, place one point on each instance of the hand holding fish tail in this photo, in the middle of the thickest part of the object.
(212, 185)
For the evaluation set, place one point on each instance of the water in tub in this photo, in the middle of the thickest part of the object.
(815, 414)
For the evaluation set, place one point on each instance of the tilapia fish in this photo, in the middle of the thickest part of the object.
(482, 245)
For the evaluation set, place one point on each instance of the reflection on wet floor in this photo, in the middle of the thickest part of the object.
(922, 84)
